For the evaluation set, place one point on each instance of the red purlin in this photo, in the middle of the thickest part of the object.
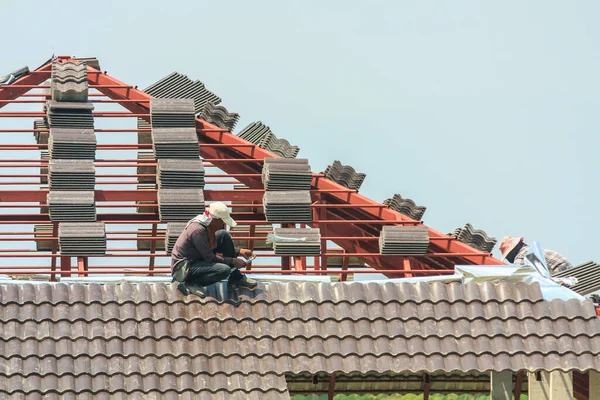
(225, 151)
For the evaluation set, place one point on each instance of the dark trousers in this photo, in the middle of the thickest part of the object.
(205, 273)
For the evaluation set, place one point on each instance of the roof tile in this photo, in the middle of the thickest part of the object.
(149, 341)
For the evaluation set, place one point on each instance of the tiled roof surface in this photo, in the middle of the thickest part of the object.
(149, 341)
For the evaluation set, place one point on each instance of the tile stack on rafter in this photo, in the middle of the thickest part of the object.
(82, 239)
(71, 171)
(174, 229)
(288, 206)
(286, 174)
(180, 170)
(287, 190)
(262, 136)
(72, 175)
(344, 175)
(310, 244)
(404, 240)
(219, 116)
(179, 86)
(406, 207)
(476, 238)
(180, 173)
(180, 204)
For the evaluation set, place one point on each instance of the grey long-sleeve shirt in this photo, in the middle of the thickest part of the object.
(194, 245)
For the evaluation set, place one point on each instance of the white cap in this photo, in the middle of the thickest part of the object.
(219, 210)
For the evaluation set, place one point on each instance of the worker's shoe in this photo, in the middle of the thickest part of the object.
(245, 282)
(197, 290)
(183, 289)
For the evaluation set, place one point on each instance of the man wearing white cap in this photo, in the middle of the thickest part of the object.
(514, 250)
(204, 252)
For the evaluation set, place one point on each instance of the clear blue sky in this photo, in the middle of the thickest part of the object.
(483, 112)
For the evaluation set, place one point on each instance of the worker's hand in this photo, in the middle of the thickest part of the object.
(246, 253)
(237, 263)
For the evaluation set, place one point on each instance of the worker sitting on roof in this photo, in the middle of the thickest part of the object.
(195, 258)
(514, 250)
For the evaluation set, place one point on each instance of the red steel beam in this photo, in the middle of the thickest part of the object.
(258, 154)
(11, 92)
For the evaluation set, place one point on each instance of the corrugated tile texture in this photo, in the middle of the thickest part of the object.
(262, 136)
(219, 116)
(406, 206)
(179, 86)
(69, 81)
(345, 175)
(476, 238)
(146, 339)
(588, 277)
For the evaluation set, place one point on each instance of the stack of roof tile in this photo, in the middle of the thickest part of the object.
(174, 229)
(69, 81)
(184, 173)
(41, 231)
(70, 115)
(140, 203)
(43, 203)
(180, 204)
(475, 238)
(71, 206)
(288, 206)
(41, 137)
(345, 175)
(146, 245)
(146, 136)
(175, 143)
(406, 207)
(13, 76)
(90, 61)
(179, 86)
(172, 113)
(244, 230)
(262, 136)
(404, 240)
(82, 239)
(310, 246)
(72, 175)
(72, 144)
(219, 116)
(146, 169)
(45, 157)
(149, 341)
(588, 277)
(286, 174)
